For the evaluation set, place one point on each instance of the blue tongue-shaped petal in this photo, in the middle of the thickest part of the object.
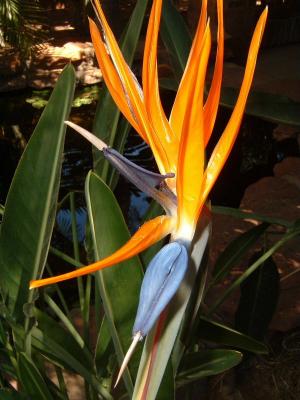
(161, 281)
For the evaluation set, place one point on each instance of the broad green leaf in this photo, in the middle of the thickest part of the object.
(235, 251)
(119, 285)
(223, 335)
(259, 297)
(290, 234)
(236, 213)
(104, 347)
(31, 202)
(31, 379)
(107, 124)
(272, 107)
(206, 363)
(176, 38)
(160, 341)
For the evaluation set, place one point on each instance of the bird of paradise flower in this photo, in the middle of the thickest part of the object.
(178, 145)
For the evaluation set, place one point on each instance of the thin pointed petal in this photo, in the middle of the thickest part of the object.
(189, 77)
(151, 232)
(98, 143)
(226, 142)
(191, 152)
(151, 89)
(161, 281)
(136, 338)
(111, 77)
(213, 98)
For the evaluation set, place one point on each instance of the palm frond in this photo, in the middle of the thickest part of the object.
(22, 23)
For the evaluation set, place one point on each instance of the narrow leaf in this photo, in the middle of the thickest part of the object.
(235, 251)
(223, 335)
(32, 380)
(176, 37)
(259, 297)
(206, 363)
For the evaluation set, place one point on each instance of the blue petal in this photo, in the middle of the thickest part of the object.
(161, 281)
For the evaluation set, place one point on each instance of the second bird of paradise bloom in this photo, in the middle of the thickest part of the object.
(178, 145)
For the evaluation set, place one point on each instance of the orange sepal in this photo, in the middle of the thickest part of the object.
(226, 142)
(191, 152)
(151, 232)
(151, 90)
(213, 98)
(111, 76)
(187, 84)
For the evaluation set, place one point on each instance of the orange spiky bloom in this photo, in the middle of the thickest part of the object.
(178, 143)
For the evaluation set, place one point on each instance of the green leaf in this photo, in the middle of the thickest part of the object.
(235, 251)
(272, 107)
(290, 234)
(31, 202)
(53, 332)
(104, 347)
(221, 334)
(12, 395)
(236, 213)
(107, 119)
(51, 340)
(32, 380)
(259, 297)
(176, 38)
(206, 363)
(119, 285)
(160, 341)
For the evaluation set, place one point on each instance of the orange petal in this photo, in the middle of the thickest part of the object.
(111, 77)
(151, 89)
(213, 98)
(191, 152)
(189, 76)
(151, 232)
(224, 146)
(133, 94)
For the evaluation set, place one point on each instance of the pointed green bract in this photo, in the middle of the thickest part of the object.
(171, 326)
